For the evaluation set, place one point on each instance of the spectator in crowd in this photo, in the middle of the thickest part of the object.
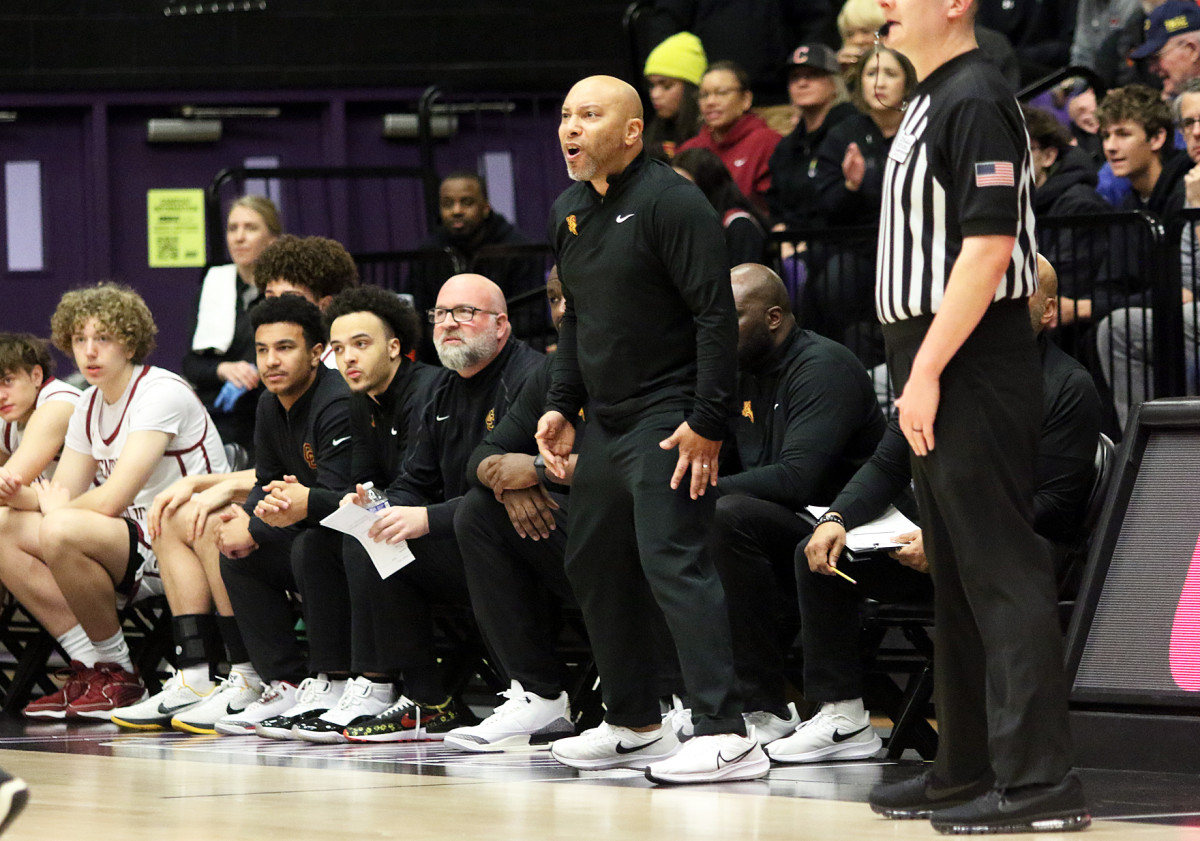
(673, 72)
(302, 430)
(852, 156)
(83, 551)
(808, 420)
(34, 411)
(1172, 44)
(839, 298)
(1095, 22)
(487, 368)
(740, 138)
(755, 34)
(1065, 185)
(468, 230)
(1114, 62)
(857, 23)
(745, 229)
(1137, 129)
(1124, 338)
(220, 362)
(1040, 32)
(817, 91)
(829, 606)
(1084, 127)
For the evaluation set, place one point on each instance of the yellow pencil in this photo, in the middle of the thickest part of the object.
(843, 575)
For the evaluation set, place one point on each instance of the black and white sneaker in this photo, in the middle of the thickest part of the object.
(14, 794)
(361, 701)
(409, 721)
(314, 696)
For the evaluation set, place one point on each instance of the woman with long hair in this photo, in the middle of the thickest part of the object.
(745, 229)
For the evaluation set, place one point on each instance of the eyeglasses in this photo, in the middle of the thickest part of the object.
(719, 94)
(1187, 124)
(1168, 47)
(460, 314)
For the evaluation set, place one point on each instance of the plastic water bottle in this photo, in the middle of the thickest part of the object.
(376, 499)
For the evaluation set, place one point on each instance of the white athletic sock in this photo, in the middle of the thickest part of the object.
(78, 647)
(197, 677)
(852, 709)
(114, 650)
(246, 670)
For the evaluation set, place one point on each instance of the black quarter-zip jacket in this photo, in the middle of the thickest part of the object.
(650, 325)
(382, 430)
(459, 413)
(808, 420)
(310, 441)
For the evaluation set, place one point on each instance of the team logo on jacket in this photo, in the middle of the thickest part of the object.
(490, 420)
(747, 412)
(573, 224)
(310, 458)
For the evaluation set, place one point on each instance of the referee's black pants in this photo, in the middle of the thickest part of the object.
(831, 624)
(999, 685)
(259, 585)
(392, 617)
(753, 543)
(635, 542)
(516, 586)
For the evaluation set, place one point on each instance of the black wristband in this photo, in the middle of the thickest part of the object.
(831, 517)
(539, 468)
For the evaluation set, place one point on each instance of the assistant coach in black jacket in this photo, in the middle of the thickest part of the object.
(302, 429)
(807, 420)
(648, 344)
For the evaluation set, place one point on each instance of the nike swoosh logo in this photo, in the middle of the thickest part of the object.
(394, 432)
(229, 710)
(622, 749)
(165, 710)
(841, 737)
(721, 760)
(621, 218)
(337, 441)
(740, 162)
(442, 417)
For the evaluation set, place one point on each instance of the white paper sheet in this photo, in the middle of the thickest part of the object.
(876, 535)
(355, 521)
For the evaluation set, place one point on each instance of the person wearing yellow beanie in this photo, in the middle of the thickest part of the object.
(673, 71)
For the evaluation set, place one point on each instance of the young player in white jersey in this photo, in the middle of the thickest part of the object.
(34, 411)
(133, 433)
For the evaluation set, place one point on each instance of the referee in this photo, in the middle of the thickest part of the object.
(647, 347)
(956, 264)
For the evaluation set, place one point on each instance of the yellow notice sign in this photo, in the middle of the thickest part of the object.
(175, 221)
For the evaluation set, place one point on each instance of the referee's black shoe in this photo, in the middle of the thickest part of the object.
(1039, 808)
(920, 796)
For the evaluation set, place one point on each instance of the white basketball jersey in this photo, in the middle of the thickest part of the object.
(10, 433)
(155, 400)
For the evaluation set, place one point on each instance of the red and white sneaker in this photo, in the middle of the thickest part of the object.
(109, 687)
(53, 707)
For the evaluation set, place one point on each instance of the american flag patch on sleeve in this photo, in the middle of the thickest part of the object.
(994, 174)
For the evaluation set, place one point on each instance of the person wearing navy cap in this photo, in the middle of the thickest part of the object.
(1172, 44)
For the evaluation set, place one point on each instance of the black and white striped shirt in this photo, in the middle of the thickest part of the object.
(958, 167)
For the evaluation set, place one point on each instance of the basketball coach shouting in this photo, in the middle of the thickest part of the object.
(648, 350)
(956, 265)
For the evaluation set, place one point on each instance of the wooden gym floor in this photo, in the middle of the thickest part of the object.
(96, 783)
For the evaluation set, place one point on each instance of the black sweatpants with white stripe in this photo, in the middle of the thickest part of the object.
(999, 686)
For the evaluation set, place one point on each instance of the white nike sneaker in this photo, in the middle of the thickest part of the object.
(231, 698)
(523, 720)
(679, 719)
(840, 730)
(610, 746)
(275, 699)
(768, 727)
(156, 712)
(722, 757)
